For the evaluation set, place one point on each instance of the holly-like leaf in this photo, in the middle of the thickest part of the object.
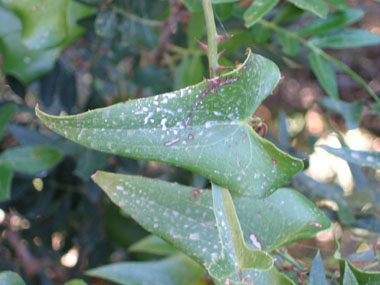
(257, 10)
(235, 255)
(175, 270)
(317, 7)
(184, 216)
(362, 158)
(44, 22)
(204, 128)
(30, 159)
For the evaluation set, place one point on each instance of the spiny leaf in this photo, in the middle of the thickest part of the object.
(235, 255)
(204, 128)
(184, 216)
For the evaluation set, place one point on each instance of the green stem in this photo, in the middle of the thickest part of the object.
(325, 55)
(290, 259)
(212, 42)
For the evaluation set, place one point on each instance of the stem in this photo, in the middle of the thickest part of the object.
(96, 53)
(325, 55)
(212, 42)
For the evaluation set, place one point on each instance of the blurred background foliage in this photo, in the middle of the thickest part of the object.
(55, 223)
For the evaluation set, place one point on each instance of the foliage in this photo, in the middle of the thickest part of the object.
(229, 202)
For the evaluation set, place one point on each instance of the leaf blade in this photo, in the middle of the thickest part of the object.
(317, 7)
(257, 10)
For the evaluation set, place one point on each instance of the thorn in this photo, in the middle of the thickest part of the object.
(220, 38)
(221, 67)
(221, 53)
(203, 45)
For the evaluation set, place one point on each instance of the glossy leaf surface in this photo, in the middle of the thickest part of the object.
(204, 128)
(44, 22)
(257, 10)
(175, 270)
(30, 159)
(347, 38)
(362, 158)
(184, 216)
(317, 7)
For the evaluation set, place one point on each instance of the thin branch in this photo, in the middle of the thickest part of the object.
(212, 42)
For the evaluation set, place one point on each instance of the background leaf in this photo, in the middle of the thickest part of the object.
(153, 244)
(194, 128)
(317, 7)
(6, 175)
(175, 270)
(30, 159)
(347, 38)
(362, 158)
(6, 113)
(257, 10)
(10, 278)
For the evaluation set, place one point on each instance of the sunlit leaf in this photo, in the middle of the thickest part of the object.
(153, 244)
(257, 10)
(317, 7)
(10, 278)
(347, 38)
(325, 74)
(44, 22)
(362, 158)
(184, 216)
(175, 270)
(76, 282)
(333, 21)
(30, 159)
(235, 255)
(6, 175)
(204, 128)
(317, 272)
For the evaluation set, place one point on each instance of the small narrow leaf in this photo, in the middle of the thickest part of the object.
(349, 277)
(351, 112)
(333, 21)
(184, 216)
(6, 176)
(317, 272)
(325, 74)
(154, 245)
(204, 128)
(257, 10)
(347, 38)
(30, 159)
(10, 278)
(362, 158)
(317, 7)
(235, 255)
(175, 270)
(6, 113)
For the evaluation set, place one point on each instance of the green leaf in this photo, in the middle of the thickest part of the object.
(204, 128)
(44, 22)
(339, 3)
(352, 275)
(333, 21)
(6, 113)
(30, 159)
(224, 1)
(362, 158)
(76, 282)
(6, 176)
(154, 245)
(106, 24)
(235, 255)
(175, 270)
(317, 7)
(257, 10)
(325, 74)
(184, 216)
(9, 23)
(10, 278)
(193, 5)
(352, 112)
(317, 272)
(347, 38)
(189, 71)
(289, 45)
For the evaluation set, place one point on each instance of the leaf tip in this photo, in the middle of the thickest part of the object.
(93, 176)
